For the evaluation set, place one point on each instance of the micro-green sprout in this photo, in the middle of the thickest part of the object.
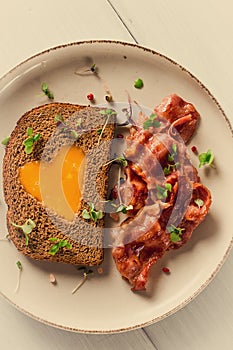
(58, 244)
(175, 233)
(20, 268)
(30, 140)
(199, 202)
(5, 141)
(151, 122)
(27, 228)
(162, 192)
(86, 273)
(92, 214)
(47, 91)
(206, 158)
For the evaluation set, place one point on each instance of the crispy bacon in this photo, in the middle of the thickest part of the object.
(144, 236)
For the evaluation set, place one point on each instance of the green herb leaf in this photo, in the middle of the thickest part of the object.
(124, 208)
(27, 228)
(168, 187)
(19, 265)
(79, 122)
(54, 249)
(151, 122)
(92, 213)
(162, 191)
(53, 239)
(85, 214)
(120, 159)
(108, 112)
(174, 237)
(29, 142)
(206, 158)
(167, 170)
(199, 202)
(5, 141)
(60, 244)
(29, 131)
(46, 91)
(99, 131)
(58, 118)
(174, 148)
(170, 157)
(175, 233)
(138, 84)
(74, 134)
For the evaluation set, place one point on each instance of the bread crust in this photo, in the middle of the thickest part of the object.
(86, 236)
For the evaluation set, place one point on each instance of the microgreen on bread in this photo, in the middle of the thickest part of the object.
(91, 213)
(5, 141)
(175, 233)
(206, 158)
(61, 121)
(47, 91)
(63, 243)
(30, 140)
(27, 228)
(151, 122)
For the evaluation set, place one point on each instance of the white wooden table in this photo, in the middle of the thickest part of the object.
(198, 35)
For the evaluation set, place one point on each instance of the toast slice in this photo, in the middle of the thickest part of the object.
(92, 130)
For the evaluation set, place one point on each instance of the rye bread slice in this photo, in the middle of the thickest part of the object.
(85, 236)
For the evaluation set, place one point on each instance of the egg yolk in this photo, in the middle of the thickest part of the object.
(56, 184)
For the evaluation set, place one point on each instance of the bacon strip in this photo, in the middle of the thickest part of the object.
(144, 237)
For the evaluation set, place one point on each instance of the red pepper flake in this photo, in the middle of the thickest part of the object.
(194, 149)
(120, 136)
(90, 97)
(166, 270)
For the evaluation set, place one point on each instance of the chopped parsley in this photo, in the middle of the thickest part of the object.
(91, 213)
(206, 158)
(63, 243)
(175, 233)
(151, 122)
(29, 142)
(47, 91)
(27, 228)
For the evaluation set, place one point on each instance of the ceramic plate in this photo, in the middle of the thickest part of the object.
(105, 302)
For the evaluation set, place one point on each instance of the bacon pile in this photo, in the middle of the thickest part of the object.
(158, 161)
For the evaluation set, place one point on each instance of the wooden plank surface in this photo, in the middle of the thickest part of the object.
(199, 36)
